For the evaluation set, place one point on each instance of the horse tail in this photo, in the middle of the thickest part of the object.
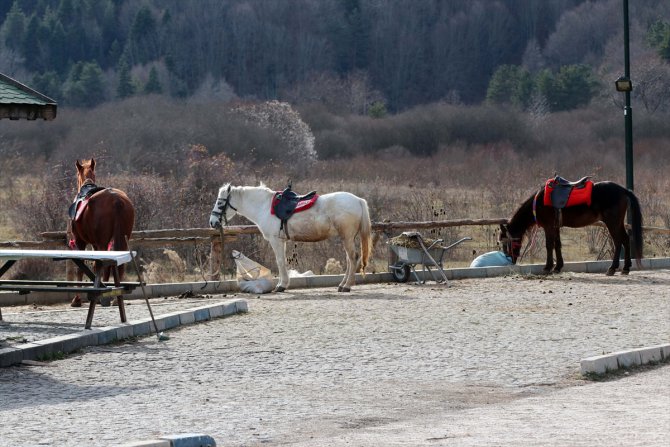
(121, 209)
(637, 224)
(366, 235)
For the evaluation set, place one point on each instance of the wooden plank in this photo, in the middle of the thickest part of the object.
(30, 244)
(172, 233)
(103, 291)
(162, 241)
(118, 257)
(27, 282)
(385, 226)
(178, 236)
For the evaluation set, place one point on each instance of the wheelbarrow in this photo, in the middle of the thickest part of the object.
(415, 251)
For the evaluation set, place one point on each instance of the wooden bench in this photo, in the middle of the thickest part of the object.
(94, 290)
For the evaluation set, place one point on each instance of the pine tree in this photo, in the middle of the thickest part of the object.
(125, 87)
(31, 46)
(575, 86)
(48, 84)
(86, 85)
(15, 27)
(93, 83)
(153, 85)
(142, 39)
(510, 84)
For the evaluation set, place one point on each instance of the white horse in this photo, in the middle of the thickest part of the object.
(336, 214)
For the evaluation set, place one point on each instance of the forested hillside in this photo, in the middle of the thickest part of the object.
(387, 55)
(426, 108)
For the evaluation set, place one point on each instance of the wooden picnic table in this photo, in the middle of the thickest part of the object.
(94, 290)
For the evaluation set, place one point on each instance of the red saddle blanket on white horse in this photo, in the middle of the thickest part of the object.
(302, 205)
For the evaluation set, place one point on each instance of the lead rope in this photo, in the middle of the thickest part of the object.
(221, 236)
(531, 244)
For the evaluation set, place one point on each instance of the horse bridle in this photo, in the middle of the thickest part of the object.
(514, 243)
(221, 214)
(510, 244)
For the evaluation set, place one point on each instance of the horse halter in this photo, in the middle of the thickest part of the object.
(511, 246)
(514, 248)
(222, 205)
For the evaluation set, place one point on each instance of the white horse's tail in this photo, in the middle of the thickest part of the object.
(365, 233)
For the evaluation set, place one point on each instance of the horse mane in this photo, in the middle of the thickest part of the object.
(522, 219)
(223, 187)
(261, 186)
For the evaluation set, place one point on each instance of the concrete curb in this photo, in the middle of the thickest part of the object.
(103, 335)
(181, 440)
(230, 286)
(603, 364)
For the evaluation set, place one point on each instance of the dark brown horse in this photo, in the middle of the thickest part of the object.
(609, 202)
(101, 217)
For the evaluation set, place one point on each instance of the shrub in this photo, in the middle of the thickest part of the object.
(40, 203)
(36, 268)
(172, 269)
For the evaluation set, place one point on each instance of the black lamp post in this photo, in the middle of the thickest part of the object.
(625, 85)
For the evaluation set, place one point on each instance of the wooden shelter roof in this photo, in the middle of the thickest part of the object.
(18, 101)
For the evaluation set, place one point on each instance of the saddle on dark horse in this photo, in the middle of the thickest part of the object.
(561, 193)
(286, 203)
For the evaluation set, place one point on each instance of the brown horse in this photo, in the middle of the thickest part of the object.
(609, 202)
(102, 217)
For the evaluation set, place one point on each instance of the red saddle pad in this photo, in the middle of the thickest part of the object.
(578, 196)
(301, 206)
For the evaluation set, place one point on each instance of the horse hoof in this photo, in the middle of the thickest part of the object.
(76, 302)
(105, 302)
(339, 288)
(344, 289)
(610, 271)
(625, 272)
(280, 289)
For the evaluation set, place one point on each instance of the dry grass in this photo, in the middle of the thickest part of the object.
(474, 163)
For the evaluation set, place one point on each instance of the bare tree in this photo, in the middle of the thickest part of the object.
(653, 85)
(583, 32)
(287, 124)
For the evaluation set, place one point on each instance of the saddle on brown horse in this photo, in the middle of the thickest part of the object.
(102, 217)
(81, 199)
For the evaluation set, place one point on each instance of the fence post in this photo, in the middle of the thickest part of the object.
(216, 243)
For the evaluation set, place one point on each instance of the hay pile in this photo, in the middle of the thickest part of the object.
(410, 241)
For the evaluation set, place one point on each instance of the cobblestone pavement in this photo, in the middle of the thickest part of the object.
(25, 324)
(483, 362)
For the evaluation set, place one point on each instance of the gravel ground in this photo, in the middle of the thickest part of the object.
(483, 362)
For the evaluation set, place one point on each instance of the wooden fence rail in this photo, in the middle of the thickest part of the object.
(176, 236)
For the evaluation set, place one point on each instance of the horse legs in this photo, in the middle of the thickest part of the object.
(549, 245)
(559, 254)
(619, 236)
(279, 247)
(627, 263)
(350, 275)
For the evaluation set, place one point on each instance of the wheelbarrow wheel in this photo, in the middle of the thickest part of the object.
(400, 272)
